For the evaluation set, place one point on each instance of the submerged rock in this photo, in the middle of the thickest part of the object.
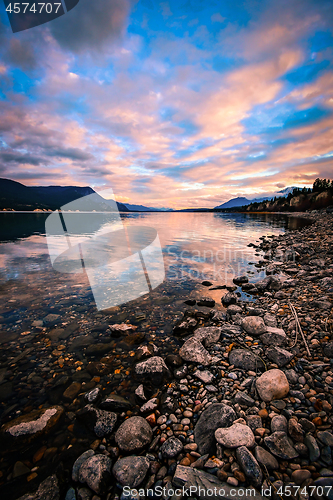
(28, 427)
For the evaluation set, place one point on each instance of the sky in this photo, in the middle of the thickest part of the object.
(182, 103)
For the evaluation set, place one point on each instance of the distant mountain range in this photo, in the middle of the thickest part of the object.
(241, 201)
(16, 196)
(142, 208)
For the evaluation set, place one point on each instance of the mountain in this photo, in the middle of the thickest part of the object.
(16, 196)
(242, 201)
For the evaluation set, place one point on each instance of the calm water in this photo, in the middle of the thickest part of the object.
(196, 247)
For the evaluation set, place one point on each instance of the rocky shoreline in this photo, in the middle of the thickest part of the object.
(244, 402)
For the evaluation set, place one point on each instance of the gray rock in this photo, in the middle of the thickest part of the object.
(206, 302)
(300, 475)
(153, 369)
(247, 360)
(279, 423)
(171, 447)
(101, 422)
(131, 471)
(193, 351)
(78, 462)
(27, 428)
(274, 336)
(254, 422)
(140, 394)
(150, 406)
(280, 445)
(234, 436)
(272, 384)
(93, 395)
(96, 473)
(254, 325)
(312, 446)
(113, 402)
(208, 335)
(202, 482)
(48, 489)
(215, 416)
(244, 399)
(133, 434)
(265, 458)
(239, 280)
(250, 466)
(70, 495)
(279, 356)
(234, 309)
(325, 437)
(291, 376)
(270, 320)
(328, 350)
(204, 375)
(229, 298)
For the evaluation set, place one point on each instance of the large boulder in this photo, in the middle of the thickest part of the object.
(215, 416)
(254, 325)
(133, 434)
(272, 384)
(194, 352)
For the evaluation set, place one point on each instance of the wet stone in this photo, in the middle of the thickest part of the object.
(280, 445)
(96, 473)
(133, 434)
(113, 402)
(250, 466)
(217, 415)
(234, 436)
(101, 422)
(171, 447)
(131, 471)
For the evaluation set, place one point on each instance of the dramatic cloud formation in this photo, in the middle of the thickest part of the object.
(171, 104)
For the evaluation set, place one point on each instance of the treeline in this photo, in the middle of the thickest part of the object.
(299, 200)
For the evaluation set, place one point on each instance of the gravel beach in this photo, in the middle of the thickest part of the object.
(236, 398)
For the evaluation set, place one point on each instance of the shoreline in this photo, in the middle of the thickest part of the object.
(214, 381)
